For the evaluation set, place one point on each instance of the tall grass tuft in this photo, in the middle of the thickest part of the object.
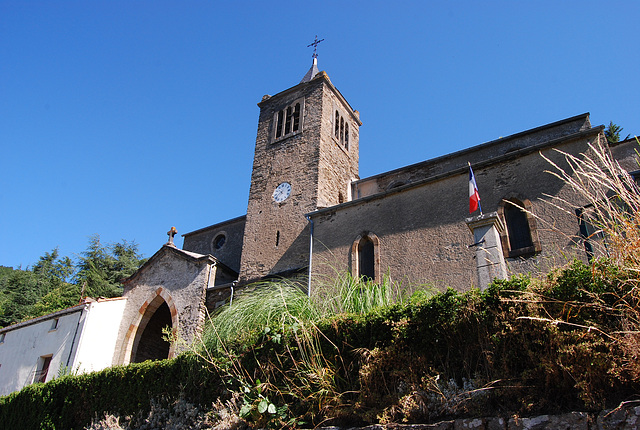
(344, 293)
(283, 302)
(269, 303)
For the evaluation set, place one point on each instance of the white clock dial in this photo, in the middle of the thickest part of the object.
(281, 193)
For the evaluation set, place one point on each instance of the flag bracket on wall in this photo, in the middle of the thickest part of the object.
(476, 244)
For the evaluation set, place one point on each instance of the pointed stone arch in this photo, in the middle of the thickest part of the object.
(152, 315)
(365, 256)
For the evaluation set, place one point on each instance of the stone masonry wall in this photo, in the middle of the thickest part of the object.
(338, 166)
(622, 418)
(437, 166)
(202, 242)
(275, 229)
(422, 230)
(626, 153)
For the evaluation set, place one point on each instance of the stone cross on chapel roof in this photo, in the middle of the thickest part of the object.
(171, 233)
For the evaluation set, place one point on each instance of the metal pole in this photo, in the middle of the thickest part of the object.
(310, 253)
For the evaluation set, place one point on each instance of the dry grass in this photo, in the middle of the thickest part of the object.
(613, 202)
(613, 213)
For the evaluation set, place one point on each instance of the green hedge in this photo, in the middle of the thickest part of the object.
(70, 402)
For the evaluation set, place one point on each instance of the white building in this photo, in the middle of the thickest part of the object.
(77, 339)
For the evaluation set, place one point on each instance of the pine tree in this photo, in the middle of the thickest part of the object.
(103, 267)
(612, 132)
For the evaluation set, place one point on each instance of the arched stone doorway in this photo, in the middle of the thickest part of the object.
(150, 342)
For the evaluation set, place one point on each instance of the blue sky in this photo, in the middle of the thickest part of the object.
(124, 118)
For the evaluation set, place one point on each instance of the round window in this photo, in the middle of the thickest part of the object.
(219, 241)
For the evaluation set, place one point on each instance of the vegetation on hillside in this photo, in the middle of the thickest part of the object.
(358, 352)
(523, 346)
(55, 282)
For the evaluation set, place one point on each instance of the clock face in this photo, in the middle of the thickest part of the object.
(281, 193)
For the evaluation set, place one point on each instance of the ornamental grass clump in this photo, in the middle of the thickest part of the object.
(343, 293)
(277, 304)
(270, 304)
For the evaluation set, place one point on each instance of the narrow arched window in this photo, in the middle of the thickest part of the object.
(346, 136)
(519, 236)
(337, 124)
(365, 257)
(287, 124)
(341, 129)
(279, 124)
(296, 117)
(517, 227)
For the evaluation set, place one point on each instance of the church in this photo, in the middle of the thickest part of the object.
(310, 213)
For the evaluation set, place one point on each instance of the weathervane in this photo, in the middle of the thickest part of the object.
(315, 46)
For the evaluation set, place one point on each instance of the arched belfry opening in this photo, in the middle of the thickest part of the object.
(150, 339)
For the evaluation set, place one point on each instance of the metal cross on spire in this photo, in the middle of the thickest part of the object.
(315, 46)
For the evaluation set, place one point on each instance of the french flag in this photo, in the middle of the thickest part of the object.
(474, 197)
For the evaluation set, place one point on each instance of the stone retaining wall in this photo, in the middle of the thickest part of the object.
(622, 418)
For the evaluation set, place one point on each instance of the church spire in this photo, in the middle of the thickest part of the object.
(314, 67)
(312, 71)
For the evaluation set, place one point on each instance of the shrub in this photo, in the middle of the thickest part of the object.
(71, 402)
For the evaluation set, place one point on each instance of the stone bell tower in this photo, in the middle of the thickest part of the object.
(306, 156)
